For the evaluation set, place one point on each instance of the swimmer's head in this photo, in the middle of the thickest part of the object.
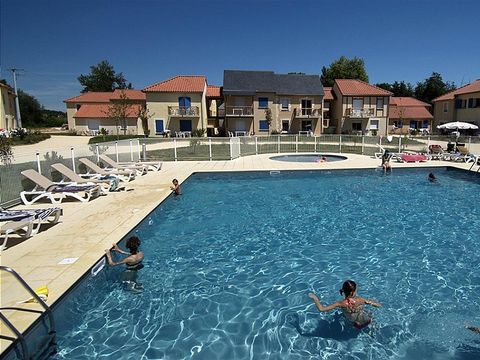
(175, 182)
(348, 289)
(133, 243)
(431, 176)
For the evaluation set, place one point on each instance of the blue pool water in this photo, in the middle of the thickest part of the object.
(230, 263)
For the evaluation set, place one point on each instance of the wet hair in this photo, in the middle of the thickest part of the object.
(133, 243)
(431, 176)
(348, 288)
(175, 181)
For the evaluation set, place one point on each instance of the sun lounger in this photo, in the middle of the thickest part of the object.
(436, 152)
(27, 222)
(151, 165)
(46, 189)
(106, 182)
(412, 158)
(113, 165)
(123, 175)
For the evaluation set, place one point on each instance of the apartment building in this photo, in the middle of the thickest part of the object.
(216, 110)
(88, 113)
(462, 104)
(359, 108)
(407, 114)
(8, 113)
(177, 105)
(262, 102)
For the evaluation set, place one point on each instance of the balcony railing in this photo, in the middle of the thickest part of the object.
(306, 112)
(183, 111)
(239, 111)
(360, 113)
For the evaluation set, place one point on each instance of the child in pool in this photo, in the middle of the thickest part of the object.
(176, 187)
(352, 305)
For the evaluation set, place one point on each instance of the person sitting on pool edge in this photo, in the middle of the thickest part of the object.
(133, 262)
(352, 305)
(176, 187)
(432, 178)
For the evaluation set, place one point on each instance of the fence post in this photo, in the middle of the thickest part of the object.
(131, 150)
(278, 147)
(231, 147)
(340, 141)
(296, 143)
(39, 168)
(210, 148)
(175, 149)
(144, 151)
(428, 143)
(400, 144)
(72, 153)
(139, 150)
(380, 140)
(256, 146)
(315, 143)
(469, 141)
(116, 150)
(363, 144)
(97, 152)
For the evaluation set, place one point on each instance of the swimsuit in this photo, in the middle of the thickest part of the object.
(355, 313)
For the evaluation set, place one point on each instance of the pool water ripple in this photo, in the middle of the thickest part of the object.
(229, 266)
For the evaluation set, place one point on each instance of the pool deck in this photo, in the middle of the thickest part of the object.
(87, 229)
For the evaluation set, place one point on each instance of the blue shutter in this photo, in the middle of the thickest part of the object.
(159, 127)
(263, 125)
(425, 124)
(184, 102)
(413, 124)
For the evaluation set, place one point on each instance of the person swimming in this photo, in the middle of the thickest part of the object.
(432, 178)
(133, 262)
(352, 305)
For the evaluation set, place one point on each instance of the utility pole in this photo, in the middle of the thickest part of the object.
(17, 104)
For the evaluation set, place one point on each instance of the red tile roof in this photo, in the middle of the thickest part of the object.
(91, 96)
(328, 93)
(213, 91)
(184, 83)
(134, 95)
(353, 87)
(467, 89)
(406, 101)
(409, 112)
(101, 110)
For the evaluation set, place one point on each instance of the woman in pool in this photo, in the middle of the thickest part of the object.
(133, 262)
(352, 305)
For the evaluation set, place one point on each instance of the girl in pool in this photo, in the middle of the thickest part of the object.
(352, 305)
(133, 262)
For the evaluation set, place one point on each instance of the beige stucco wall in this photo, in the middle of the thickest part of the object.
(133, 126)
(7, 109)
(158, 103)
(71, 110)
(440, 116)
(468, 114)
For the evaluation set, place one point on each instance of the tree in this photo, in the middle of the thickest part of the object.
(401, 88)
(30, 109)
(144, 116)
(118, 110)
(433, 87)
(103, 77)
(344, 68)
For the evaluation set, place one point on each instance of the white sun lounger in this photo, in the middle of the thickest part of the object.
(46, 189)
(123, 175)
(151, 165)
(70, 176)
(110, 164)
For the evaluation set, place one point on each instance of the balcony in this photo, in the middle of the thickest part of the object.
(306, 113)
(183, 111)
(359, 113)
(239, 111)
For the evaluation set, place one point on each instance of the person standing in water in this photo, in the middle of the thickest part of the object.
(133, 262)
(175, 187)
(352, 305)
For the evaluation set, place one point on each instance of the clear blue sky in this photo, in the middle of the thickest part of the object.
(150, 41)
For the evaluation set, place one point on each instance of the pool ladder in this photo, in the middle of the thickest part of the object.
(48, 345)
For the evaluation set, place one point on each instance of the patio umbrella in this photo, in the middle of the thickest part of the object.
(457, 125)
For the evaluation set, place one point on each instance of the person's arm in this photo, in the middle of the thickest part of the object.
(322, 308)
(117, 249)
(371, 302)
(110, 260)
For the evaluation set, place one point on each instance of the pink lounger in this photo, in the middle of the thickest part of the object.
(413, 157)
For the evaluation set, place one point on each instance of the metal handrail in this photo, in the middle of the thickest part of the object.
(47, 308)
(19, 335)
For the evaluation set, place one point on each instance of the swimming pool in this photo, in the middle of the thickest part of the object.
(230, 263)
(307, 158)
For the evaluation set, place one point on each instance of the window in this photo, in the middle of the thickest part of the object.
(326, 104)
(263, 125)
(159, 129)
(478, 103)
(380, 103)
(426, 124)
(413, 124)
(357, 126)
(470, 103)
(285, 104)
(262, 102)
(398, 124)
(374, 124)
(445, 107)
(306, 107)
(185, 125)
(458, 104)
(464, 104)
(184, 102)
(286, 125)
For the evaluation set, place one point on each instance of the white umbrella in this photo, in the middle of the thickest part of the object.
(456, 125)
